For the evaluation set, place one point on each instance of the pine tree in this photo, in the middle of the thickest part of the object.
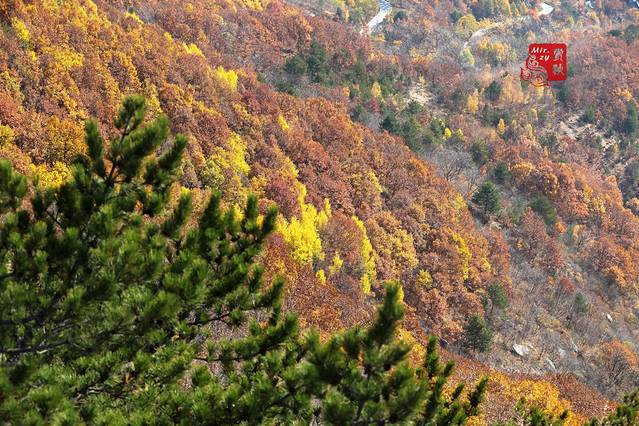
(477, 335)
(391, 124)
(545, 208)
(107, 298)
(500, 173)
(631, 123)
(363, 377)
(534, 416)
(480, 153)
(487, 197)
(625, 414)
(296, 65)
(493, 91)
(497, 296)
(581, 304)
(317, 61)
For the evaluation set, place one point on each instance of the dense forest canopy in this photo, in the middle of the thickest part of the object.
(412, 154)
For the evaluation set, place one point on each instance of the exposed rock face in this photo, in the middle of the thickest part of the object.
(521, 350)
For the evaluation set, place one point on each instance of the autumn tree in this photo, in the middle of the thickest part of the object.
(537, 245)
(626, 413)
(469, 61)
(620, 363)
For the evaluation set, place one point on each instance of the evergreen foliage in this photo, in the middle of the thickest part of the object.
(391, 123)
(296, 65)
(581, 304)
(365, 377)
(544, 207)
(400, 16)
(480, 152)
(487, 197)
(625, 414)
(493, 91)
(108, 297)
(477, 334)
(549, 140)
(589, 115)
(534, 416)
(631, 33)
(497, 296)
(631, 123)
(500, 173)
(317, 61)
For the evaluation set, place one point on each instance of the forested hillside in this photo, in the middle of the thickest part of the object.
(411, 154)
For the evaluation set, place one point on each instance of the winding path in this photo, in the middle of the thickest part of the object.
(384, 9)
(545, 9)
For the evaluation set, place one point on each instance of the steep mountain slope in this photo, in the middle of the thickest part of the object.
(326, 174)
(358, 207)
(565, 152)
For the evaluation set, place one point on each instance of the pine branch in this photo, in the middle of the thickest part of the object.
(36, 349)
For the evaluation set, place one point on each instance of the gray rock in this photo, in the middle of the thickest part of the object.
(551, 364)
(562, 353)
(521, 350)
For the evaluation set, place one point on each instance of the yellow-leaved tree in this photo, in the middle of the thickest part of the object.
(472, 102)
(368, 260)
(228, 78)
(227, 169)
(302, 233)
